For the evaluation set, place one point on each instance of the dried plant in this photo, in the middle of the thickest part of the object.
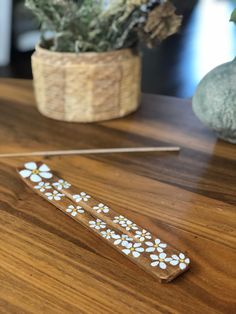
(103, 25)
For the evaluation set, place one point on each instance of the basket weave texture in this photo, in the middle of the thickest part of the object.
(86, 87)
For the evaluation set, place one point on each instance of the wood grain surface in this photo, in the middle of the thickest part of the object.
(51, 264)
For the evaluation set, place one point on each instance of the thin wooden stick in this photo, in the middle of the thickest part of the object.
(93, 151)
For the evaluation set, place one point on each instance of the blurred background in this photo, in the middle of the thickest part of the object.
(174, 68)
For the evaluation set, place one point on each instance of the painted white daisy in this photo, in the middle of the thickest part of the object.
(62, 184)
(34, 173)
(128, 225)
(97, 224)
(43, 186)
(119, 219)
(81, 197)
(74, 210)
(55, 195)
(134, 248)
(123, 240)
(160, 260)
(142, 235)
(101, 208)
(180, 260)
(157, 245)
(108, 234)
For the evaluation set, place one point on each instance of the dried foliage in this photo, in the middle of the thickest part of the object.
(103, 25)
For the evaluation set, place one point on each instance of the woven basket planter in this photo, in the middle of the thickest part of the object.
(86, 87)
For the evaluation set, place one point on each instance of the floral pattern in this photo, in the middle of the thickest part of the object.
(160, 260)
(119, 219)
(157, 245)
(125, 223)
(142, 235)
(97, 224)
(133, 248)
(81, 197)
(180, 260)
(108, 234)
(74, 210)
(101, 208)
(61, 184)
(34, 173)
(123, 240)
(144, 242)
(55, 195)
(43, 186)
(128, 225)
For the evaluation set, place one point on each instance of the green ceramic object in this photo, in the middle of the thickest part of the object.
(215, 101)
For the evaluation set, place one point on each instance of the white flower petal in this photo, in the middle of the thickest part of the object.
(35, 178)
(182, 266)
(117, 242)
(140, 249)
(129, 245)
(149, 243)
(163, 245)
(182, 256)
(116, 236)
(187, 260)
(124, 243)
(73, 214)
(157, 241)
(162, 265)
(154, 264)
(174, 262)
(25, 173)
(159, 249)
(46, 175)
(162, 255)
(44, 167)
(126, 251)
(31, 165)
(136, 254)
(154, 257)
(150, 249)
(175, 257)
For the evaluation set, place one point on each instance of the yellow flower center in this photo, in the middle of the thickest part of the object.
(35, 171)
(155, 245)
(98, 223)
(161, 259)
(181, 260)
(132, 249)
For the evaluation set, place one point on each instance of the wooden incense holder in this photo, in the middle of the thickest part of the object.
(161, 260)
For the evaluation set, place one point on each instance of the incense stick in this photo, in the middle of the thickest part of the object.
(93, 151)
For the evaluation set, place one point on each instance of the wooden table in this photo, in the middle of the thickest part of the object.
(51, 264)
